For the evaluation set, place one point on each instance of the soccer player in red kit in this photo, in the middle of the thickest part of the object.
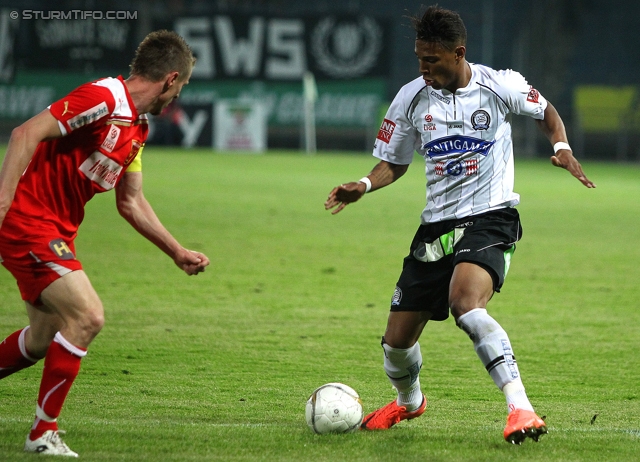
(88, 142)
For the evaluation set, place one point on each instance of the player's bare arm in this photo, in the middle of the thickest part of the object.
(135, 208)
(383, 174)
(553, 128)
(22, 144)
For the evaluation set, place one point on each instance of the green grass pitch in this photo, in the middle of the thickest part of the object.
(218, 367)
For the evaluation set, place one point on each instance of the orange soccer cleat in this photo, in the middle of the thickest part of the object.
(522, 424)
(389, 415)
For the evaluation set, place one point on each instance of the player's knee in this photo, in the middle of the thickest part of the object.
(95, 322)
(90, 324)
(399, 342)
(461, 304)
(463, 299)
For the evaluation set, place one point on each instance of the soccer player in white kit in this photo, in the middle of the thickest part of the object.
(457, 116)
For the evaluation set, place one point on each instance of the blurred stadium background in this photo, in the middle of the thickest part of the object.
(581, 54)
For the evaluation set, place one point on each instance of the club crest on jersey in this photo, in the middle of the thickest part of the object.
(61, 249)
(136, 146)
(457, 145)
(533, 95)
(480, 120)
(386, 131)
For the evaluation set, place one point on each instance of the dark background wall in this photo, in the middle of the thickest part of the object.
(558, 45)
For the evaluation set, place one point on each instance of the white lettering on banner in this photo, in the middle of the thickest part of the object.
(240, 56)
(331, 109)
(101, 170)
(8, 30)
(88, 33)
(282, 42)
(53, 34)
(191, 129)
(244, 57)
(113, 34)
(88, 116)
(195, 31)
(23, 101)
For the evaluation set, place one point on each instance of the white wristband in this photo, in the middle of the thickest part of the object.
(367, 183)
(561, 145)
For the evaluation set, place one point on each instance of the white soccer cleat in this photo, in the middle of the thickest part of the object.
(49, 444)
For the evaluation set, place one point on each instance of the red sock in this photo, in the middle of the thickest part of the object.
(61, 367)
(14, 355)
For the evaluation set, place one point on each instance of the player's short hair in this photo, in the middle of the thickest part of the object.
(440, 26)
(160, 53)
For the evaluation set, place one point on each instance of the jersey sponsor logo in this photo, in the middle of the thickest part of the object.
(88, 116)
(455, 127)
(456, 144)
(61, 249)
(480, 120)
(386, 130)
(136, 146)
(110, 141)
(440, 97)
(457, 168)
(533, 95)
(101, 170)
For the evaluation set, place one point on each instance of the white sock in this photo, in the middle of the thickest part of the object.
(403, 368)
(494, 350)
(516, 396)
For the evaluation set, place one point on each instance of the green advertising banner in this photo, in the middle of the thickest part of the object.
(341, 104)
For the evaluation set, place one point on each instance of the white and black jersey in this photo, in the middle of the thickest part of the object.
(464, 137)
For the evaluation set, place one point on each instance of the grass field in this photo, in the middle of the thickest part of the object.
(218, 367)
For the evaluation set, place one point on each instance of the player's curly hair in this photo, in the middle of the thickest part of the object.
(441, 26)
(160, 53)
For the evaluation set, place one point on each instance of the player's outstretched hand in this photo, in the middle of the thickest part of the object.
(191, 262)
(342, 195)
(564, 159)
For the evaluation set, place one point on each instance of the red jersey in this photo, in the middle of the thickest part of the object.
(102, 135)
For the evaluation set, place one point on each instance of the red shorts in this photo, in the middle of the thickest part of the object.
(35, 261)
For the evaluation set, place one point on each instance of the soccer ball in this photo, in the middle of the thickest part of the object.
(334, 408)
